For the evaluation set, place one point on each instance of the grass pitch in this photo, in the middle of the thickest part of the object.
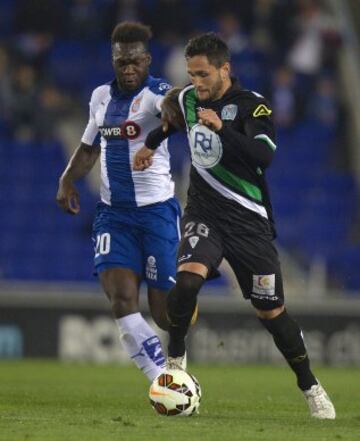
(48, 401)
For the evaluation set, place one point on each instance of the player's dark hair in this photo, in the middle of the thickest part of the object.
(131, 32)
(210, 45)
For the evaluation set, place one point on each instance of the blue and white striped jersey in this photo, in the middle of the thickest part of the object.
(120, 122)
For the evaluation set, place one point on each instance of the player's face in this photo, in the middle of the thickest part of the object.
(131, 64)
(210, 81)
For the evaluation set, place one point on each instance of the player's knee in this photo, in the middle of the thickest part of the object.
(121, 307)
(122, 302)
(121, 288)
(266, 309)
(182, 298)
(188, 284)
(269, 314)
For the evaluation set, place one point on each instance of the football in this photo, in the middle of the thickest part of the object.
(175, 392)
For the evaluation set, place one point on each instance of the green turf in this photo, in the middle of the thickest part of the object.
(51, 401)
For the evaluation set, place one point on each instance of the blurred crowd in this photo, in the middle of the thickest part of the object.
(285, 49)
(53, 53)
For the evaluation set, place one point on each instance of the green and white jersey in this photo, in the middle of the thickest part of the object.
(228, 166)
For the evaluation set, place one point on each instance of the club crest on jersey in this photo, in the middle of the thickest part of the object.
(206, 147)
(136, 104)
(262, 110)
(229, 112)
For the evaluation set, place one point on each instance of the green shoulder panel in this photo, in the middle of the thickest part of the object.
(189, 107)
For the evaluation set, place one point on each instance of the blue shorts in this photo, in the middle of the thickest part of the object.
(143, 239)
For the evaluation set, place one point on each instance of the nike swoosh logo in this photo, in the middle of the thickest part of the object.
(156, 393)
(171, 279)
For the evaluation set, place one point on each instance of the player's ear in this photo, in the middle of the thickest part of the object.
(148, 59)
(225, 71)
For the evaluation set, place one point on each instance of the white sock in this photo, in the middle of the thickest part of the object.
(142, 344)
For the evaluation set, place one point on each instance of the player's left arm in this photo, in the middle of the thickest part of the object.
(258, 142)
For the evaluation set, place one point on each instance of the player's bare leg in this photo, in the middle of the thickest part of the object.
(121, 287)
(288, 338)
(157, 303)
(137, 337)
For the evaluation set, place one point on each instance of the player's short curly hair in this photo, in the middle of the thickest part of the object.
(210, 45)
(131, 32)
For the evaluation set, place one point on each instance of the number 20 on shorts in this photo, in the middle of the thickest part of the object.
(102, 244)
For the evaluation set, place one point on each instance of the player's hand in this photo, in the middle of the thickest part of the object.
(210, 119)
(67, 197)
(170, 110)
(165, 124)
(143, 158)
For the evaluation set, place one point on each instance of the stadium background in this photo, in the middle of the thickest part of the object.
(301, 54)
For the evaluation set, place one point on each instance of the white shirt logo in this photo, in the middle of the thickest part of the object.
(206, 147)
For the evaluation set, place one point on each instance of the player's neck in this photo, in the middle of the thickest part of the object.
(225, 87)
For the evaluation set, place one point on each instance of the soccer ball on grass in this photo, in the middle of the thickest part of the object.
(175, 392)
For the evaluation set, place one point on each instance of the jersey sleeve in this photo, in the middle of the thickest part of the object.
(156, 96)
(258, 121)
(258, 141)
(158, 135)
(91, 135)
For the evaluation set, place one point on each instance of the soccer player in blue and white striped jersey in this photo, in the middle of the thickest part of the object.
(135, 230)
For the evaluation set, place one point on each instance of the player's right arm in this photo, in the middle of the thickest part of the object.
(80, 164)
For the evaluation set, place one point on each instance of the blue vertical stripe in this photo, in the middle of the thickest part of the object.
(121, 183)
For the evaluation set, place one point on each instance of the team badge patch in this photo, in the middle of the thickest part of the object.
(229, 112)
(262, 110)
(206, 147)
(136, 104)
(151, 269)
(264, 285)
